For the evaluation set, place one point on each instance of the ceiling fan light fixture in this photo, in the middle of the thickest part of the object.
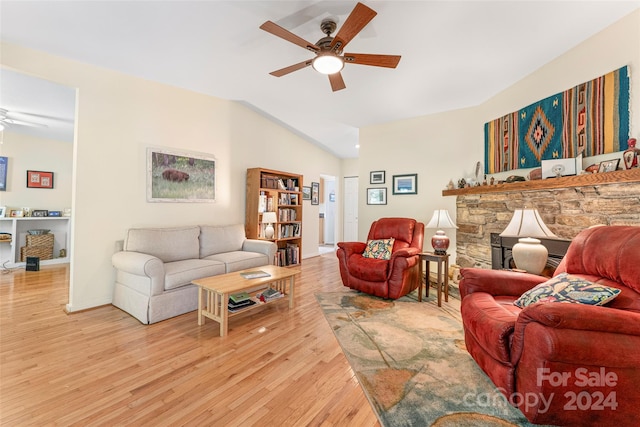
(327, 64)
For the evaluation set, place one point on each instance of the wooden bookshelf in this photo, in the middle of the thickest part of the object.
(280, 192)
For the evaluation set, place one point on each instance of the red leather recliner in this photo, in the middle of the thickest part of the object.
(583, 360)
(391, 278)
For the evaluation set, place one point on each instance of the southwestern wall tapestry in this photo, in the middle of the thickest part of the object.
(591, 118)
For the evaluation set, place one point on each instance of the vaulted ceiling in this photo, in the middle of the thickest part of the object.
(455, 54)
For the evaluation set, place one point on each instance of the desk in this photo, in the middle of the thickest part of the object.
(442, 280)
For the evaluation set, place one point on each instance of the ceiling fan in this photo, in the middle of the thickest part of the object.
(329, 57)
(6, 120)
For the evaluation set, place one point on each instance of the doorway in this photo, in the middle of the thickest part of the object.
(327, 219)
(350, 221)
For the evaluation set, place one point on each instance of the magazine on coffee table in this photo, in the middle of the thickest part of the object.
(254, 274)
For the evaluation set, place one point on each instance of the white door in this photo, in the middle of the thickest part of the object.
(350, 232)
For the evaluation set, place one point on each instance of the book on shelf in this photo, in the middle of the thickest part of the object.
(233, 308)
(270, 294)
(254, 274)
(239, 297)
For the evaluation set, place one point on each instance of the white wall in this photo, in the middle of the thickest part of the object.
(31, 153)
(447, 146)
(118, 117)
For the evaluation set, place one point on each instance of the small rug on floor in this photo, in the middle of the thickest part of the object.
(412, 363)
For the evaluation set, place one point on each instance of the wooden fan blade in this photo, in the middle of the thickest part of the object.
(336, 82)
(360, 16)
(277, 30)
(389, 61)
(291, 68)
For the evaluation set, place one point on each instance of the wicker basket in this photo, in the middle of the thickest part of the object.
(45, 240)
(42, 252)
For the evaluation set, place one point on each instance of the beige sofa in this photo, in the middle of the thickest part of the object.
(155, 267)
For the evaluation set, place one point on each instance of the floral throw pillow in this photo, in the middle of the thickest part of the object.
(379, 249)
(567, 288)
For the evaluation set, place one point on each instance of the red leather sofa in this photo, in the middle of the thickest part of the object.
(390, 278)
(563, 363)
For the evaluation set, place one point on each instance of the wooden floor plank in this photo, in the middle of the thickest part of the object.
(277, 366)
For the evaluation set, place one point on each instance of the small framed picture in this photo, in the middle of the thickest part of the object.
(3, 211)
(16, 213)
(376, 196)
(376, 177)
(405, 184)
(306, 193)
(315, 193)
(39, 179)
(608, 165)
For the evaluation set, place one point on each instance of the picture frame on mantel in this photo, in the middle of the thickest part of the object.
(405, 184)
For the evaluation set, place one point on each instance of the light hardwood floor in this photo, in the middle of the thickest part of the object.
(102, 367)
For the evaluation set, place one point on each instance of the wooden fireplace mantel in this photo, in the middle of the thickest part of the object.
(631, 175)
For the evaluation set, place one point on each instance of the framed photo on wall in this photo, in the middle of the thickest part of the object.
(4, 164)
(376, 177)
(376, 196)
(39, 179)
(315, 193)
(306, 193)
(180, 176)
(405, 184)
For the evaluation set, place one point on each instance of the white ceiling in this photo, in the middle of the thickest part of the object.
(455, 54)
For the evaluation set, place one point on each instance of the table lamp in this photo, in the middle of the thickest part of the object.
(528, 254)
(439, 221)
(269, 218)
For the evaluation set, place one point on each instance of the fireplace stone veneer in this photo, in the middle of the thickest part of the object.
(567, 206)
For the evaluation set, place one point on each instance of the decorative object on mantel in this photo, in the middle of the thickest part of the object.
(269, 218)
(630, 156)
(439, 221)
(562, 125)
(608, 165)
(528, 254)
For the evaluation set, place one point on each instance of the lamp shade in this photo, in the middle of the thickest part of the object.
(528, 254)
(527, 223)
(440, 220)
(269, 218)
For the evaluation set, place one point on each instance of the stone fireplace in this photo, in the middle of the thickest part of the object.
(567, 206)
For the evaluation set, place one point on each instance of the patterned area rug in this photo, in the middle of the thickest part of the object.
(411, 360)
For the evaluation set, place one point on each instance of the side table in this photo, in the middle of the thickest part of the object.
(442, 280)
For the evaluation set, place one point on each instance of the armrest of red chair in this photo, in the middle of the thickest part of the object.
(351, 248)
(581, 317)
(497, 282)
(564, 349)
(405, 253)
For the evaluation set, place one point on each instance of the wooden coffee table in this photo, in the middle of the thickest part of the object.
(214, 291)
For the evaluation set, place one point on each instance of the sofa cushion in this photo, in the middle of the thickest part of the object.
(240, 260)
(220, 239)
(369, 269)
(168, 244)
(180, 273)
(568, 288)
(379, 249)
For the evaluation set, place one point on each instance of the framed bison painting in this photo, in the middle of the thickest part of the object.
(180, 176)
